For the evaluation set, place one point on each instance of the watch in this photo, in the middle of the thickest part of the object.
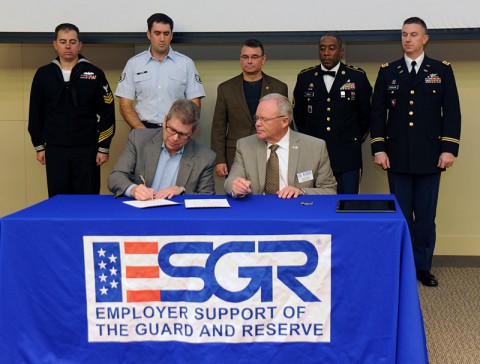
(182, 190)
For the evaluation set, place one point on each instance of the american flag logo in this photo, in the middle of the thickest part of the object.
(135, 279)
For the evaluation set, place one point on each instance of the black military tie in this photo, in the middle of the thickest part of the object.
(412, 71)
(328, 73)
(272, 178)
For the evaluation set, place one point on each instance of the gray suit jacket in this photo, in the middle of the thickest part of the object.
(232, 119)
(306, 154)
(141, 156)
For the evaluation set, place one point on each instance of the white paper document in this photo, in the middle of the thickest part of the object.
(150, 203)
(206, 203)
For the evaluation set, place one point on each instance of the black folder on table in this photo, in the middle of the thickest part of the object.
(366, 206)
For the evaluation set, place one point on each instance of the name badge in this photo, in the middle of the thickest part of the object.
(305, 176)
(308, 94)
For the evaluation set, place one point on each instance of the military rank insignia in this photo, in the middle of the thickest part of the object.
(108, 97)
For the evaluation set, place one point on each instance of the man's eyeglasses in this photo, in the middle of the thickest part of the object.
(255, 57)
(266, 120)
(175, 132)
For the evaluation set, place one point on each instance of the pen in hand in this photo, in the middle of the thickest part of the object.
(145, 183)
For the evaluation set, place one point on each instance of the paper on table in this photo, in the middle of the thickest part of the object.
(206, 203)
(150, 203)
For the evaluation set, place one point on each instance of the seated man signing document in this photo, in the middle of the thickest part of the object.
(165, 162)
(278, 160)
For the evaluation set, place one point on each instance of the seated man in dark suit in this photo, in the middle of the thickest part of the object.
(162, 163)
(297, 164)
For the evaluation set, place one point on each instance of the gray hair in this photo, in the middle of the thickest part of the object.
(283, 104)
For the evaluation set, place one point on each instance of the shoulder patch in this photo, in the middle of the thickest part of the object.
(446, 63)
(355, 68)
(307, 69)
(385, 65)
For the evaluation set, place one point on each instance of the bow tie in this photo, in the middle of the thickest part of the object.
(328, 73)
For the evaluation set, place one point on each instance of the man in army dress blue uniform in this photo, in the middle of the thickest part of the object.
(332, 102)
(415, 135)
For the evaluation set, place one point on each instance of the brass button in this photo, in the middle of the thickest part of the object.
(434, 91)
(411, 124)
(328, 99)
(328, 109)
(328, 118)
(410, 113)
(328, 128)
(412, 92)
(411, 102)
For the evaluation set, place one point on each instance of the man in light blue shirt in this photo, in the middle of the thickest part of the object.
(165, 162)
(156, 78)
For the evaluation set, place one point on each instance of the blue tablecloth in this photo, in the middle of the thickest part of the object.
(374, 310)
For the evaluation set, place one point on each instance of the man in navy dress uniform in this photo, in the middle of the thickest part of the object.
(415, 135)
(332, 102)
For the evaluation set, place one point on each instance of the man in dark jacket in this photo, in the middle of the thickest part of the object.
(415, 133)
(72, 117)
(237, 101)
(332, 102)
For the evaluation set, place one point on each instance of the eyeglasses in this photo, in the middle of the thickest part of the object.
(255, 57)
(175, 132)
(266, 120)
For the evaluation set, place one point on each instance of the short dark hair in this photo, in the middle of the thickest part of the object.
(159, 18)
(186, 111)
(334, 35)
(66, 26)
(416, 20)
(254, 43)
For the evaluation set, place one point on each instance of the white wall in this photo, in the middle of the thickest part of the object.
(23, 183)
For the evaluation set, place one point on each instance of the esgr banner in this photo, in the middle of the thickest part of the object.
(208, 289)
